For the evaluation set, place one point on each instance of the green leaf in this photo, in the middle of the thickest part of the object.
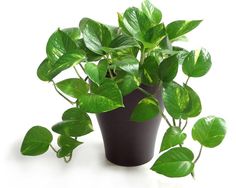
(151, 11)
(43, 71)
(79, 127)
(168, 69)
(146, 109)
(197, 63)
(121, 24)
(136, 22)
(127, 82)
(173, 136)
(123, 42)
(98, 72)
(176, 162)
(128, 64)
(73, 33)
(36, 141)
(95, 35)
(58, 44)
(209, 131)
(75, 114)
(67, 145)
(149, 71)
(181, 27)
(73, 87)
(103, 98)
(194, 107)
(176, 100)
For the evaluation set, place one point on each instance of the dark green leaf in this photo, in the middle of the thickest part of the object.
(44, 69)
(75, 114)
(168, 69)
(73, 87)
(127, 82)
(176, 100)
(98, 72)
(129, 64)
(149, 71)
(105, 97)
(173, 136)
(58, 44)
(181, 27)
(36, 141)
(73, 33)
(152, 12)
(67, 145)
(176, 162)
(95, 35)
(146, 109)
(197, 63)
(123, 42)
(194, 107)
(209, 131)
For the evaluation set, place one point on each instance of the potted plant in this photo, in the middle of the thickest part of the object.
(129, 81)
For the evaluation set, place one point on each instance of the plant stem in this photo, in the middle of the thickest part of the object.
(71, 102)
(180, 122)
(110, 73)
(187, 80)
(150, 95)
(199, 155)
(86, 78)
(142, 56)
(53, 148)
(173, 119)
(77, 72)
(81, 66)
(69, 159)
(186, 122)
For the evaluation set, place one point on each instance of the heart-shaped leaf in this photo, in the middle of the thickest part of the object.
(149, 70)
(172, 137)
(168, 69)
(36, 141)
(176, 162)
(176, 100)
(44, 70)
(103, 98)
(152, 12)
(67, 145)
(95, 72)
(75, 114)
(95, 35)
(209, 131)
(123, 42)
(129, 64)
(127, 82)
(146, 109)
(73, 33)
(181, 27)
(197, 63)
(58, 44)
(73, 87)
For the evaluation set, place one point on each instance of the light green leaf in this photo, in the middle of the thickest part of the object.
(67, 145)
(197, 63)
(95, 72)
(127, 83)
(36, 141)
(176, 100)
(129, 64)
(103, 98)
(58, 44)
(176, 162)
(75, 114)
(181, 27)
(146, 109)
(73, 33)
(173, 136)
(123, 42)
(151, 11)
(73, 87)
(95, 35)
(149, 71)
(168, 69)
(121, 24)
(209, 131)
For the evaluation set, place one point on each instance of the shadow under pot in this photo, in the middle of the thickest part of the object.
(129, 143)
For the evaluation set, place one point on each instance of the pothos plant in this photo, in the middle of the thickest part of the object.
(117, 61)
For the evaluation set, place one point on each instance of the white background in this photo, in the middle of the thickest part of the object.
(25, 101)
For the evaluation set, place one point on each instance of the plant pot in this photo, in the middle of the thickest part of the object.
(129, 143)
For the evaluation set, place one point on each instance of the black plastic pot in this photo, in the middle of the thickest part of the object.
(129, 143)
